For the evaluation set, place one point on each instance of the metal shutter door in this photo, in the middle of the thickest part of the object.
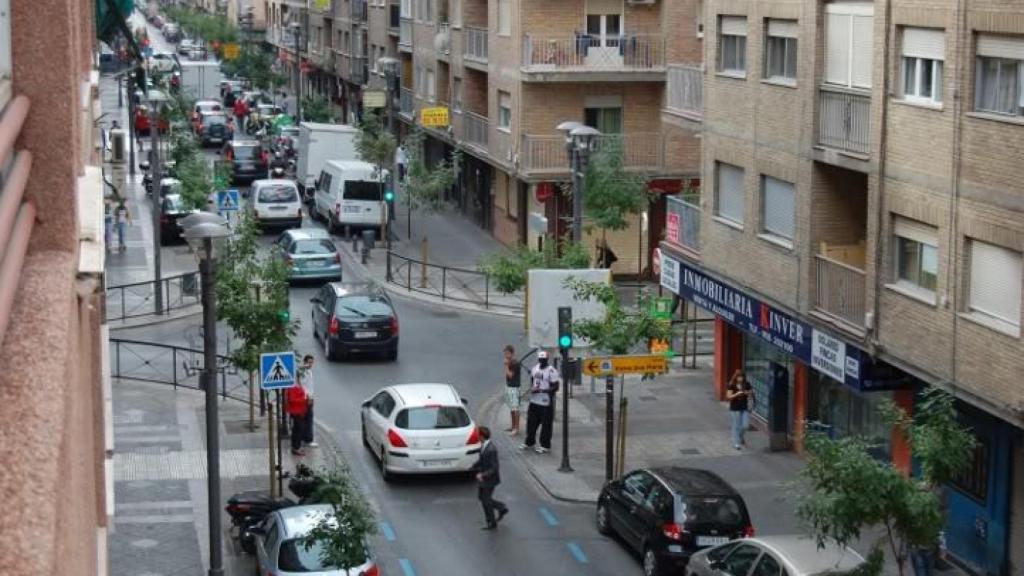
(995, 281)
(837, 49)
(924, 43)
(1017, 513)
(730, 192)
(779, 207)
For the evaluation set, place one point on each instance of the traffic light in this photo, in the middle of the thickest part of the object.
(565, 327)
(389, 196)
(284, 316)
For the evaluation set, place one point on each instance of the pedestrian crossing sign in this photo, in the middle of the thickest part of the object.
(277, 370)
(227, 200)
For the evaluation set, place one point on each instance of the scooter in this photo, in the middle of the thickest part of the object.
(249, 509)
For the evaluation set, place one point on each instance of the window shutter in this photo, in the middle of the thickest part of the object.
(779, 207)
(837, 49)
(1011, 47)
(734, 25)
(924, 43)
(916, 231)
(604, 6)
(783, 28)
(995, 283)
(862, 49)
(730, 192)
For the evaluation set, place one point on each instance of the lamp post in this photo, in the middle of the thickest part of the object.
(390, 67)
(583, 138)
(296, 30)
(566, 129)
(154, 99)
(205, 233)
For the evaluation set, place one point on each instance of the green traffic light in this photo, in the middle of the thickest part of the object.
(284, 315)
(565, 341)
(389, 196)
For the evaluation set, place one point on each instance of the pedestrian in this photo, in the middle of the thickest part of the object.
(402, 159)
(513, 398)
(241, 110)
(540, 412)
(488, 477)
(306, 377)
(296, 406)
(123, 218)
(740, 395)
(108, 223)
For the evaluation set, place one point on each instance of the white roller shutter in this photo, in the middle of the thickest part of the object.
(862, 49)
(1011, 47)
(837, 49)
(924, 43)
(779, 207)
(916, 231)
(734, 25)
(995, 282)
(730, 192)
(783, 28)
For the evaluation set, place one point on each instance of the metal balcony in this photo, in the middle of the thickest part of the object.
(840, 290)
(405, 103)
(685, 90)
(475, 129)
(844, 119)
(546, 154)
(474, 45)
(405, 34)
(582, 57)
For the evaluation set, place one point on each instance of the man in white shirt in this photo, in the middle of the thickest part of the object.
(541, 412)
(306, 376)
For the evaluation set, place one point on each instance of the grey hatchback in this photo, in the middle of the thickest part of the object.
(355, 317)
(282, 548)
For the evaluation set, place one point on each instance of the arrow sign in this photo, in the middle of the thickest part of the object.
(614, 365)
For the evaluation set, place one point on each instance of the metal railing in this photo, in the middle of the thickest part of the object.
(584, 52)
(840, 290)
(474, 129)
(474, 44)
(640, 151)
(357, 10)
(443, 41)
(446, 282)
(357, 70)
(405, 102)
(405, 32)
(685, 93)
(844, 120)
(682, 223)
(135, 300)
(176, 366)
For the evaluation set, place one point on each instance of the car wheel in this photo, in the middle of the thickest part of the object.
(362, 432)
(332, 226)
(651, 567)
(392, 355)
(329, 352)
(604, 525)
(384, 474)
(312, 323)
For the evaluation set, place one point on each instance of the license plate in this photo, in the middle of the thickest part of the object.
(278, 207)
(436, 463)
(316, 263)
(365, 334)
(351, 209)
(711, 540)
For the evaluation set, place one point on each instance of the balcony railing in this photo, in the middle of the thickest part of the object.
(405, 33)
(443, 41)
(682, 223)
(475, 45)
(405, 103)
(640, 150)
(394, 15)
(357, 70)
(475, 128)
(685, 93)
(357, 10)
(584, 52)
(844, 120)
(840, 290)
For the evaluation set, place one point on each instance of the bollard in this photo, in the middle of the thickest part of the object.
(369, 239)
(355, 241)
(364, 254)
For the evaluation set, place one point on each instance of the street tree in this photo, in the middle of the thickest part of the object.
(318, 109)
(425, 182)
(620, 330)
(375, 144)
(509, 271)
(342, 535)
(611, 193)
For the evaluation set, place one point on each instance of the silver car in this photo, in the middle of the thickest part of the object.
(281, 546)
(772, 556)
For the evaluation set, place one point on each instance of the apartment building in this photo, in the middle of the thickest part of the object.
(52, 395)
(861, 231)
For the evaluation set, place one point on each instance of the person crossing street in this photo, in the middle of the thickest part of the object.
(540, 413)
(488, 477)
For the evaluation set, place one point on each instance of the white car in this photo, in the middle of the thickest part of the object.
(420, 429)
(276, 202)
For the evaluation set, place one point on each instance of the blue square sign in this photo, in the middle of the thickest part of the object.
(277, 370)
(227, 200)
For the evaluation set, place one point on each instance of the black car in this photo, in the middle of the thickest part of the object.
(248, 160)
(667, 514)
(355, 317)
(172, 209)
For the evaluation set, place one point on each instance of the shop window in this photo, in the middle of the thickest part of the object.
(839, 411)
(973, 480)
(758, 357)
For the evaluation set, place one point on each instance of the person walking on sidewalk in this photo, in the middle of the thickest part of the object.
(306, 377)
(740, 395)
(512, 396)
(296, 406)
(488, 477)
(123, 218)
(541, 413)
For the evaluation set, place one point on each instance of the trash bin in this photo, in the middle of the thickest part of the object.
(369, 239)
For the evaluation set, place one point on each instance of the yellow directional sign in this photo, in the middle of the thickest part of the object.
(614, 365)
(434, 117)
(230, 51)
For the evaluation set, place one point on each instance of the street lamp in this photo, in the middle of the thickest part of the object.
(390, 67)
(296, 30)
(206, 234)
(566, 129)
(155, 98)
(583, 139)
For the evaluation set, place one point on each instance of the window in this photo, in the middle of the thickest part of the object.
(504, 110)
(778, 208)
(973, 480)
(432, 418)
(916, 255)
(729, 192)
(780, 50)
(732, 45)
(607, 120)
(923, 52)
(637, 485)
(999, 83)
(373, 64)
(431, 85)
(848, 48)
(457, 96)
(699, 17)
(995, 280)
(505, 17)
(418, 80)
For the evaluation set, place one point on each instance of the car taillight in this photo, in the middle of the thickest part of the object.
(394, 323)
(337, 257)
(673, 531)
(395, 439)
(474, 437)
(337, 209)
(237, 508)
(334, 326)
(371, 571)
(748, 531)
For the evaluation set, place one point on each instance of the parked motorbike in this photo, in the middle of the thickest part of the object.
(249, 509)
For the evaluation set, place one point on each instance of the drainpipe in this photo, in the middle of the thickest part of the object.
(879, 208)
(952, 278)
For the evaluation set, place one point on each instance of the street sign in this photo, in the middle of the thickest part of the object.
(277, 370)
(661, 309)
(615, 365)
(434, 117)
(230, 51)
(227, 200)
(374, 99)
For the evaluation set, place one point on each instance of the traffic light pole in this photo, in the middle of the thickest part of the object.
(565, 467)
(609, 426)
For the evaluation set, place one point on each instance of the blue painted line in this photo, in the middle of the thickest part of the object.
(548, 516)
(389, 532)
(577, 553)
(407, 568)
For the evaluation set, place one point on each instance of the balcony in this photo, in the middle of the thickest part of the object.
(405, 34)
(840, 289)
(682, 223)
(394, 18)
(636, 57)
(405, 103)
(685, 93)
(357, 70)
(545, 155)
(474, 46)
(357, 11)
(474, 129)
(443, 42)
(844, 120)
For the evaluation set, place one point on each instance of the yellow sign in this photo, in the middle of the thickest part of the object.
(434, 117)
(613, 365)
(322, 5)
(230, 51)
(374, 99)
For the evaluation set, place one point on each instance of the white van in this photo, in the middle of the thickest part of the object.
(349, 193)
(275, 202)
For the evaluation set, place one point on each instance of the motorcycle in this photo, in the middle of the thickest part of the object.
(249, 509)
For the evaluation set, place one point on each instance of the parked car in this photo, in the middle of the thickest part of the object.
(309, 254)
(419, 429)
(355, 317)
(773, 556)
(248, 160)
(214, 128)
(667, 514)
(282, 546)
(172, 32)
(275, 202)
(163, 61)
(201, 107)
(185, 45)
(172, 209)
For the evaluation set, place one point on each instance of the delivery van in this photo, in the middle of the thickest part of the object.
(349, 193)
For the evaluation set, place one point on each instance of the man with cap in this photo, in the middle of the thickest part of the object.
(541, 413)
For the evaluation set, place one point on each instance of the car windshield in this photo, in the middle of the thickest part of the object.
(172, 203)
(299, 555)
(363, 305)
(212, 119)
(321, 246)
(277, 193)
(245, 152)
(432, 418)
(717, 510)
(362, 190)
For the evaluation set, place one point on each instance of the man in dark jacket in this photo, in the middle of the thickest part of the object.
(488, 477)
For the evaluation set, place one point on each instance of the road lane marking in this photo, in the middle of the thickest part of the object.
(577, 553)
(548, 516)
(407, 568)
(389, 532)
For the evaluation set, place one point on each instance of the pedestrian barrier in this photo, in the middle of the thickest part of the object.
(448, 283)
(135, 300)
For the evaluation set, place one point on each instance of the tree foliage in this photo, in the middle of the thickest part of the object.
(508, 271)
(256, 65)
(374, 143)
(620, 330)
(342, 535)
(612, 194)
(198, 24)
(424, 184)
(319, 109)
